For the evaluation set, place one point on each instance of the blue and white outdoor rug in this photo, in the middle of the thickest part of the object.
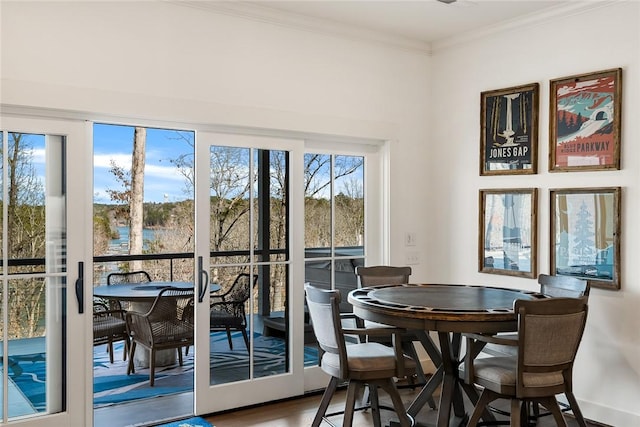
(112, 385)
(191, 422)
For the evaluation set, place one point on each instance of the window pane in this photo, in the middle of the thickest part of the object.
(271, 201)
(163, 174)
(229, 205)
(26, 203)
(35, 229)
(317, 196)
(349, 205)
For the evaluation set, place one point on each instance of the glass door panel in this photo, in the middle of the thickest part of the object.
(40, 319)
(143, 230)
(245, 344)
(334, 221)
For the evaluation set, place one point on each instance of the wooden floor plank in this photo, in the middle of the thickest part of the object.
(300, 412)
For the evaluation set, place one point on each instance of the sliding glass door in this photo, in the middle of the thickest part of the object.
(260, 231)
(248, 258)
(44, 316)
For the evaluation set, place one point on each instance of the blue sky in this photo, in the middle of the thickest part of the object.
(162, 180)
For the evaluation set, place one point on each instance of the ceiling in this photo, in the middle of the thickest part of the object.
(418, 21)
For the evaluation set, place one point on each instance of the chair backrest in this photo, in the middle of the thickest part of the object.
(382, 275)
(241, 288)
(170, 305)
(549, 334)
(129, 277)
(324, 310)
(563, 286)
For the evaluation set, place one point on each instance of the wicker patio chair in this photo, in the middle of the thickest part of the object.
(167, 325)
(109, 326)
(227, 311)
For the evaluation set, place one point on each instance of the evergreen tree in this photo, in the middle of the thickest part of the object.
(583, 242)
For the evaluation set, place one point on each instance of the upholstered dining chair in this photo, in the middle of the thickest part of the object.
(369, 363)
(555, 287)
(549, 334)
(563, 286)
(396, 275)
(227, 311)
(167, 325)
(109, 326)
(124, 278)
(551, 286)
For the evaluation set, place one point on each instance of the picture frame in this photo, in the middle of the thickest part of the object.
(509, 130)
(585, 234)
(507, 228)
(585, 121)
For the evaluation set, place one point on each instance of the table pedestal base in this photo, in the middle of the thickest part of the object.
(163, 357)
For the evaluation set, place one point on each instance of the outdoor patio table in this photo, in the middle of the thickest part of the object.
(450, 310)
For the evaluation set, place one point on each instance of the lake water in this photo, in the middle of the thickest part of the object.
(121, 244)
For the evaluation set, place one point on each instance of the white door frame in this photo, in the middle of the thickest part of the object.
(216, 398)
(79, 392)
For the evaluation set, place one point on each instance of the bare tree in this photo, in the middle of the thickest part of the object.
(136, 202)
(26, 237)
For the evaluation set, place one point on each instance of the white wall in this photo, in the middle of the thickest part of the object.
(171, 63)
(607, 377)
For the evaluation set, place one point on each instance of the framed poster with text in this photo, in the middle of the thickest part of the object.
(509, 131)
(584, 122)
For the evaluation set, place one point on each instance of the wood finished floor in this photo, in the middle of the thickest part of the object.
(300, 412)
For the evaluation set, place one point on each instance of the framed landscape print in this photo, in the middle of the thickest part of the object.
(585, 235)
(509, 131)
(507, 241)
(584, 121)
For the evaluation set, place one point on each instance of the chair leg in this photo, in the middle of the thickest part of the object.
(390, 387)
(577, 413)
(375, 404)
(324, 403)
(350, 404)
(110, 350)
(152, 367)
(516, 408)
(229, 338)
(127, 343)
(246, 338)
(132, 350)
(552, 405)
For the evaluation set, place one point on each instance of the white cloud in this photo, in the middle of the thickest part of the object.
(104, 160)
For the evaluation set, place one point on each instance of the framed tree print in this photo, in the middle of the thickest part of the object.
(584, 122)
(508, 232)
(585, 235)
(509, 131)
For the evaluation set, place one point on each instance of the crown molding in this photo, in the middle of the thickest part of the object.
(269, 15)
(565, 10)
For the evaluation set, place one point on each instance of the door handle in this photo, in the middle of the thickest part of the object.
(80, 287)
(202, 284)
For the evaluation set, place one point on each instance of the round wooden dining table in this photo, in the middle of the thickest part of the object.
(449, 310)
